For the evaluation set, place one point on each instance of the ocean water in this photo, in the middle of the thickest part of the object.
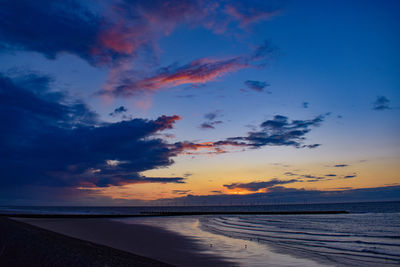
(362, 207)
(368, 239)
(368, 236)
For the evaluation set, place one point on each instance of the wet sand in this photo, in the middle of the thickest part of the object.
(148, 241)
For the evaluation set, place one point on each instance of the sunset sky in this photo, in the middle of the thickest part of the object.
(123, 101)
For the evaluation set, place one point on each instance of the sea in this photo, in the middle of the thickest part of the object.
(369, 235)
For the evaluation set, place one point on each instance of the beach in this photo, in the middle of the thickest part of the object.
(178, 241)
(147, 241)
(22, 244)
(99, 236)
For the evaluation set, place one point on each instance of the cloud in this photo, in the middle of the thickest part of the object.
(256, 85)
(112, 31)
(340, 165)
(206, 125)
(211, 116)
(276, 132)
(196, 72)
(312, 146)
(216, 191)
(54, 27)
(187, 174)
(119, 110)
(279, 194)
(315, 178)
(128, 83)
(248, 14)
(180, 192)
(305, 104)
(381, 103)
(50, 139)
(256, 186)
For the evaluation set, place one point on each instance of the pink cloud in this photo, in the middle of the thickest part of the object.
(131, 26)
(196, 72)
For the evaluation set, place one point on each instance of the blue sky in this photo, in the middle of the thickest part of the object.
(200, 78)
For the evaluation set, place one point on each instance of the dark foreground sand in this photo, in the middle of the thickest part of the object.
(147, 241)
(26, 245)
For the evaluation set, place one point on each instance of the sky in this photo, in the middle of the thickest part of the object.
(130, 102)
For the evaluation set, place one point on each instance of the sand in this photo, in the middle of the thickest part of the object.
(26, 245)
(148, 241)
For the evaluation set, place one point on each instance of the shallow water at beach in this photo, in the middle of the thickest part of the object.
(348, 239)
(242, 252)
(363, 239)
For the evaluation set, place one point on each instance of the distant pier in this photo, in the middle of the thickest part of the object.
(174, 213)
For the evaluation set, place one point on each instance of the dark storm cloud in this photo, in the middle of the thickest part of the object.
(256, 85)
(255, 186)
(381, 103)
(50, 139)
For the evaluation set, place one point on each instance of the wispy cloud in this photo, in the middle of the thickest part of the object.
(211, 123)
(256, 85)
(258, 185)
(199, 71)
(180, 192)
(381, 103)
(340, 165)
(276, 132)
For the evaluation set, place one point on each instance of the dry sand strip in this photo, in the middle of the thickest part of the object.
(148, 241)
(22, 244)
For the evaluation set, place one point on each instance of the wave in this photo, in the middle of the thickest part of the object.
(358, 240)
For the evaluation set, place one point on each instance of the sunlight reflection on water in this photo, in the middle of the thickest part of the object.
(243, 252)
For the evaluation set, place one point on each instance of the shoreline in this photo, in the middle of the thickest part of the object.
(144, 240)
